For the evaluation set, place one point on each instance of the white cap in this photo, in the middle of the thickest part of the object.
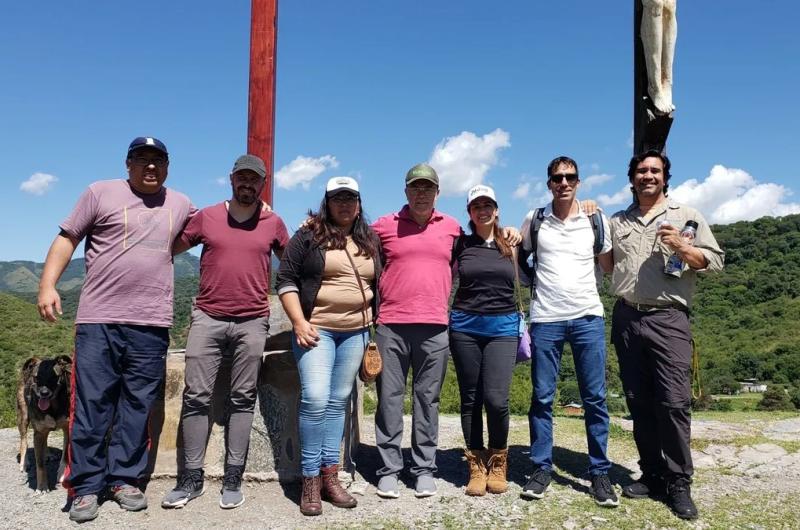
(480, 191)
(337, 184)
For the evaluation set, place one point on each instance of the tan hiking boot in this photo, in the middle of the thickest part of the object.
(477, 472)
(497, 468)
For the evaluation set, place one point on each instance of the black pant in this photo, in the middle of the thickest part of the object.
(655, 359)
(483, 367)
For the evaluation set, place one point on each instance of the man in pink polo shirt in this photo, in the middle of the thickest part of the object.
(415, 287)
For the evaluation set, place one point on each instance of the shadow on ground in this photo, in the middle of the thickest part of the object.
(572, 466)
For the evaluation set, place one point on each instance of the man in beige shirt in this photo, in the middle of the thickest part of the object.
(650, 326)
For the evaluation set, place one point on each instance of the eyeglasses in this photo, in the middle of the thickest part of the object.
(419, 190)
(558, 178)
(344, 198)
(144, 161)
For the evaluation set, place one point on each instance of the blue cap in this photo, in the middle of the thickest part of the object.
(147, 141)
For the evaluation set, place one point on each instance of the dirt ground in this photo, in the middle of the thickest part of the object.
(725, 483)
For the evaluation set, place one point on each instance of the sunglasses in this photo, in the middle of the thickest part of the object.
(558, 178)
(344, 198)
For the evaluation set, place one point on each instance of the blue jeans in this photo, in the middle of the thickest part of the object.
(327, 375)
(586, 336)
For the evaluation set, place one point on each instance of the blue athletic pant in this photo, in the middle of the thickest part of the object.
(117, 374)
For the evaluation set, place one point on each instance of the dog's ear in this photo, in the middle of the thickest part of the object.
(63, 365)
(29, 366)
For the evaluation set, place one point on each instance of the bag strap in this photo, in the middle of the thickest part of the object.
(517, 283)
(361, 289)
(599, 232)
(536, 224)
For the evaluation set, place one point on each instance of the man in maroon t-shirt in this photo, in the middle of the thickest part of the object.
(230, 316)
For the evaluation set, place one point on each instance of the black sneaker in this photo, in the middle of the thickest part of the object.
(603, 491)
(537, 484)
(190, 485)
(232, 496)
(649, 485)
(679, 498)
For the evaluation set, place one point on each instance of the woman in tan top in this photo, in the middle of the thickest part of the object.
(325, 300)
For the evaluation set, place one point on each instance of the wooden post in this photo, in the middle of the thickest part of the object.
(650, 130)
(261, 103)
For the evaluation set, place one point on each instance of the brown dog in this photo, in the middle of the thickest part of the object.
(43, 401)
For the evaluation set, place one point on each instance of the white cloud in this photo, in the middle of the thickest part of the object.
(38, 183)
(623, 196)
(728, 195)
(594, 180)
(462, 161)
(522, 190)
(221, 181)
(302, 170)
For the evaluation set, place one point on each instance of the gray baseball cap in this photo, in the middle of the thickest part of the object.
(251, 162)
(422, 172)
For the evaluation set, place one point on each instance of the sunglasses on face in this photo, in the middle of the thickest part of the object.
(344, 198)
(558, 178)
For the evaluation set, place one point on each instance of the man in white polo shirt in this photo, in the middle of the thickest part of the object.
(565, 307)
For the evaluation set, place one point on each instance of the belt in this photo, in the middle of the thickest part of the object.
(646, 308)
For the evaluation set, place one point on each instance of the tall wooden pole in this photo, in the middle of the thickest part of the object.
(650, 130)
(261, 103)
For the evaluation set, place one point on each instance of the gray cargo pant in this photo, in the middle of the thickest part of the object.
(210, 339)
(424, 348)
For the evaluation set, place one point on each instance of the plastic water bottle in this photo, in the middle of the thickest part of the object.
(674, 266)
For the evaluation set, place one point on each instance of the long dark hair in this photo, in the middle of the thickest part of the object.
(502, 244)
(328, 235)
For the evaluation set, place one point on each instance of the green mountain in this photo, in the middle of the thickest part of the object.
(746, 320)
(23, 276)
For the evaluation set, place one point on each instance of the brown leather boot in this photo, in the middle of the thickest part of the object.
(477, 472)
(497, 468)
(332, 490)
(310, 503)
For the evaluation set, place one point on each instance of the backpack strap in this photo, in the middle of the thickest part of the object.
(536, 224)
(599, 232)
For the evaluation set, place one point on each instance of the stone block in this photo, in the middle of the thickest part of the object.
(274, 452)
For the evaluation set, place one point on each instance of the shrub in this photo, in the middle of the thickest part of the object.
(722, 405)
(775, 398)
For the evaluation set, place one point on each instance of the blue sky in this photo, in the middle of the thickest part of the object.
(488, 91)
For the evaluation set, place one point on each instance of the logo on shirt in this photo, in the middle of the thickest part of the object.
(148, 228)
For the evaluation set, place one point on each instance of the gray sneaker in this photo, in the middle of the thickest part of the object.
(190, 485)
(232, 496)
(426, 486)
(387, 487)
(129, 497)
(84, 508)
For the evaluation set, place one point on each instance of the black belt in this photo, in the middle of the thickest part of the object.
(646, 308)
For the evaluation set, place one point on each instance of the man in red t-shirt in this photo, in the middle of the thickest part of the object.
(230, 316)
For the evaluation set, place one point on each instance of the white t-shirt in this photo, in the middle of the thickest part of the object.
(566, 284)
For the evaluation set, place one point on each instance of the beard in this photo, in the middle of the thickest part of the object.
(245, 196)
